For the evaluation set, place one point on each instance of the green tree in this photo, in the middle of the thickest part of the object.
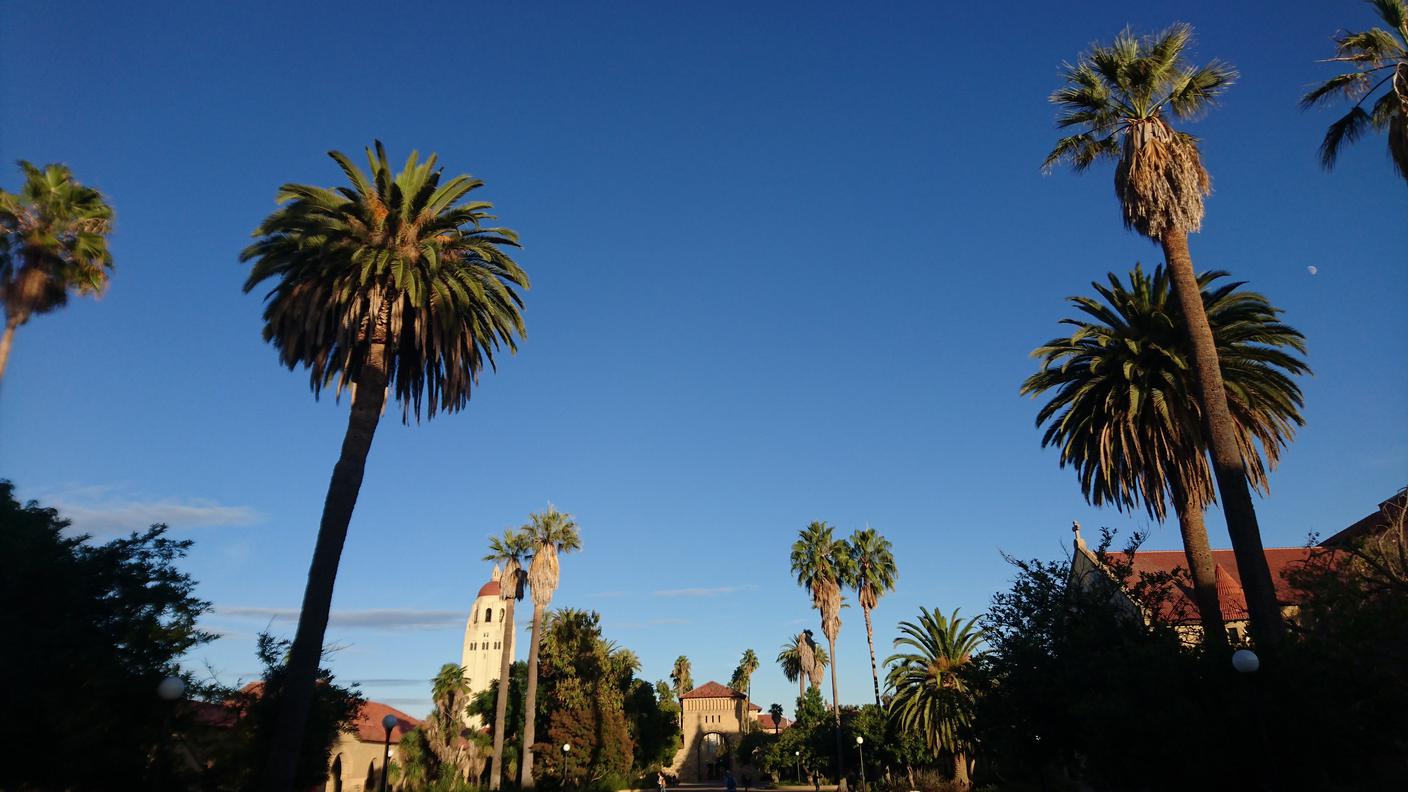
(485, 703)
(393, 285)
(549, 533)
(776, 712)
(53, 240)
(823, 565)
(1377, 57)
(1125, 412)
(932, 694)
(1119, 99)
(802, 660)
(873, 559)
(94, 629)
(444, 728)
(510, 550)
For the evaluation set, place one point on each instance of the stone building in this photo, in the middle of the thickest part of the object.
(714, 718)
(358, 755)
(484, 634)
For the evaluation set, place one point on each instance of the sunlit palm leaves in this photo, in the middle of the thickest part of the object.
(1117, 98)
(1125, 412)
(1378, 58)
(931, 692)
(396, 254)
(873, 562)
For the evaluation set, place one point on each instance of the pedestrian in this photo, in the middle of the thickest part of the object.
(660, 781)
(730, 782)
(747, 783)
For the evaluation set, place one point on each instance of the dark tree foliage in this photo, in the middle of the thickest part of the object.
(236, 746)
(484, 703)
(92, 629)
(1078, 691)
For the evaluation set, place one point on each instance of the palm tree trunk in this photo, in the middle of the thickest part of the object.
(870, 639)
(1227, 463)
(530, 705)
(501, 706)
(802, 684)
(960, 769)
(836, 710)
(1201, 568)
(307, 650)
(11, 322)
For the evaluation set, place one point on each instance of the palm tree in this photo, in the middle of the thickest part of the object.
(1125, 414)
(509, 550)
(776, 712)
(450, 693)
(743, 675)
(390, 285)
(549, 533)
(789, 657)
(1378, 56)
(680, 676)
(53, 240)
(875, 575)
(932, 697)
(823, 565)
(1120, 98)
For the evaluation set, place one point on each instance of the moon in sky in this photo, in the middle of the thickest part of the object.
(1312, 269)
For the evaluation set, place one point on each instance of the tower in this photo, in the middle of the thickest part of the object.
(484, 632)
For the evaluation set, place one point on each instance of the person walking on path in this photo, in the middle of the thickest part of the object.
(730, 782)
(660, 781)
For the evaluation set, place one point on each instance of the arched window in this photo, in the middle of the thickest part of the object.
(501, 614)
(488, 615)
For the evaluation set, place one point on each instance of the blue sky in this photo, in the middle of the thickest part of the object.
(788, 261)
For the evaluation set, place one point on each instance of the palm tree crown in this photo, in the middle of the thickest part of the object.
(549, 533)
(802, 659)
(680, 676)
(53, 240)
(823, 565)
(932, 696)
(1125, 412)
(510, 550)
(1379, 57)
(1118, 98)
(873, 562)
(394, 263)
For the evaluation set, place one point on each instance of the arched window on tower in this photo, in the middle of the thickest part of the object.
(488, 615)
(501, 614)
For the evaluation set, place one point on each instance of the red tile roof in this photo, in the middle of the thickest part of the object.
(765, 723)
(490, 589)
(1182, 606)
(1371, 524)
(369, 728)
(712, 690)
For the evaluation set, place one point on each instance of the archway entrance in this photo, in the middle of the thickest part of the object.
(713, 756)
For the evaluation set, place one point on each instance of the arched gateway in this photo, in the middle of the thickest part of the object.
(714, 720)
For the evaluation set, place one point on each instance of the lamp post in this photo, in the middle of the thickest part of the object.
(388, 722)
(799, 767)
(860, 746)
(168, 690)
(566, 760)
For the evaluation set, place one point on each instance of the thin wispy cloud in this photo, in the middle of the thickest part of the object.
(105, 510)
(390, 619)
(717, 591)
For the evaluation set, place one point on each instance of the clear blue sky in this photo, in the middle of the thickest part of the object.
(788, 261)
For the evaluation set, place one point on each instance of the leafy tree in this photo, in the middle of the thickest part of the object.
(549, 533)
(875, 574)
(234, 753)
(1125, 412)
(1119, 98)
(932, 693)
(510, 550)
(393, 285)
(97, 627)
(53, 240)
(1377, 57)
(652, 717)
(485, 705)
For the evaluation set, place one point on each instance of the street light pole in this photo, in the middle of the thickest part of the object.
(799, 767)
(860, 746)
(169, 690)
(566, 759)
(389, 722)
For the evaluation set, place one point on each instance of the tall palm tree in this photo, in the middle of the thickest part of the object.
(679, 675)
(510, 550)
(1120, 98)
(875, 574)
(1126, 417)
(395, 284)
(776, 712)
(742, 680)
(53, 240)
(823, 565)
(549, 533)
(1378, 57)
(932, 697)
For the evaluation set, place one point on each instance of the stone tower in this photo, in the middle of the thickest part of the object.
(484, 633)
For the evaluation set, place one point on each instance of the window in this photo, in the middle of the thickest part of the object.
(488, 615)
(501, 614)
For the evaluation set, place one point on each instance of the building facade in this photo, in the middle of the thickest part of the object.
(713, 721)
(485, 632)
